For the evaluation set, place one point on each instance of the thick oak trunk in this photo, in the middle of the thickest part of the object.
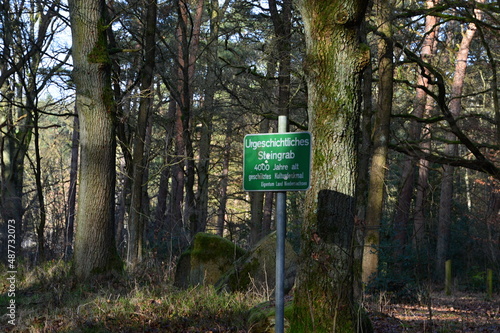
(95, 250)
(324, 298)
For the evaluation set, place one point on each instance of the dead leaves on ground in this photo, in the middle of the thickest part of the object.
(457, 313)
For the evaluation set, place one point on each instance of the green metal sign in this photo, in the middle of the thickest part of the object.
(277, 162)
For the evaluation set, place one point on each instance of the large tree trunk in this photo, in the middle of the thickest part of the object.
(380, 142)
(328, 275)
(95, 250)
(446, 194)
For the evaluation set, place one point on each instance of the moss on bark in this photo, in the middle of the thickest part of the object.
(324, 299)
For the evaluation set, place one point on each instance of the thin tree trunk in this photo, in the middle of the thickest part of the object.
(124, 137)
(492, 221)
(267, 216)
(403, 207)
(160, 217)
(423, 107)
(378, 165)
(256, 214)
(175, 225)
(14, 141)
(446, 194)
(224, 181)
(136, 226)
(203, 168)
(209, 108)
(190, 52)
(187, 52)
(365, 140)
(73, 175)
(123, 204)
(40, 228)
(419, 219)
(259, 207)
(15, 145)
(282, 23)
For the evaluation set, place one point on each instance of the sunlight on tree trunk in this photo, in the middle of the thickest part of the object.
(446, 197)
(95, 250)
(420, 105)
(378, 165)
(324, 297)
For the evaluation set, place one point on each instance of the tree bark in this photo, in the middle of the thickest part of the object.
(95, 250)
(423, 106)
(71, 205)
(328, 274)
(40, 228)
(224, 180)
(492, 220)
(446, 194)
(15, 145)
(15, 138)
(403, 207)
(378, 165)
(136, 223)
(258, 204)
(209, 110)
(188, 36)
(282, 23)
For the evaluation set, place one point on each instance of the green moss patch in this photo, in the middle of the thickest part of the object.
(206, 260)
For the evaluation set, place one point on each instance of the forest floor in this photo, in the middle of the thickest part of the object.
(48, 300)
(459, 312)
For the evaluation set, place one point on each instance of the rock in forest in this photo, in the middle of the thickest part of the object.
(206, 260)
(257, 268)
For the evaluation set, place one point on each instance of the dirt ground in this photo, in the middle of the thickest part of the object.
(458, 312)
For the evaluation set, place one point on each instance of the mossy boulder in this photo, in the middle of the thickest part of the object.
(257, 268)
(207, 258)
(262, 318)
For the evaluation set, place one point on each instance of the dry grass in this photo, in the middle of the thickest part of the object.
(49, 300)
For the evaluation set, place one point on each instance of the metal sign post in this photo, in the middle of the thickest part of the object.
(278, 162)
(280, 247)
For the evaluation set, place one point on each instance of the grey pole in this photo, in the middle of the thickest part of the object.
(280, 247)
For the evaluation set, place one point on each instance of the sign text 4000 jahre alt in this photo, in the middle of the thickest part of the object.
(277, 161)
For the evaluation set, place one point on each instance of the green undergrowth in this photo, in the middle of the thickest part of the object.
(48, 299)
